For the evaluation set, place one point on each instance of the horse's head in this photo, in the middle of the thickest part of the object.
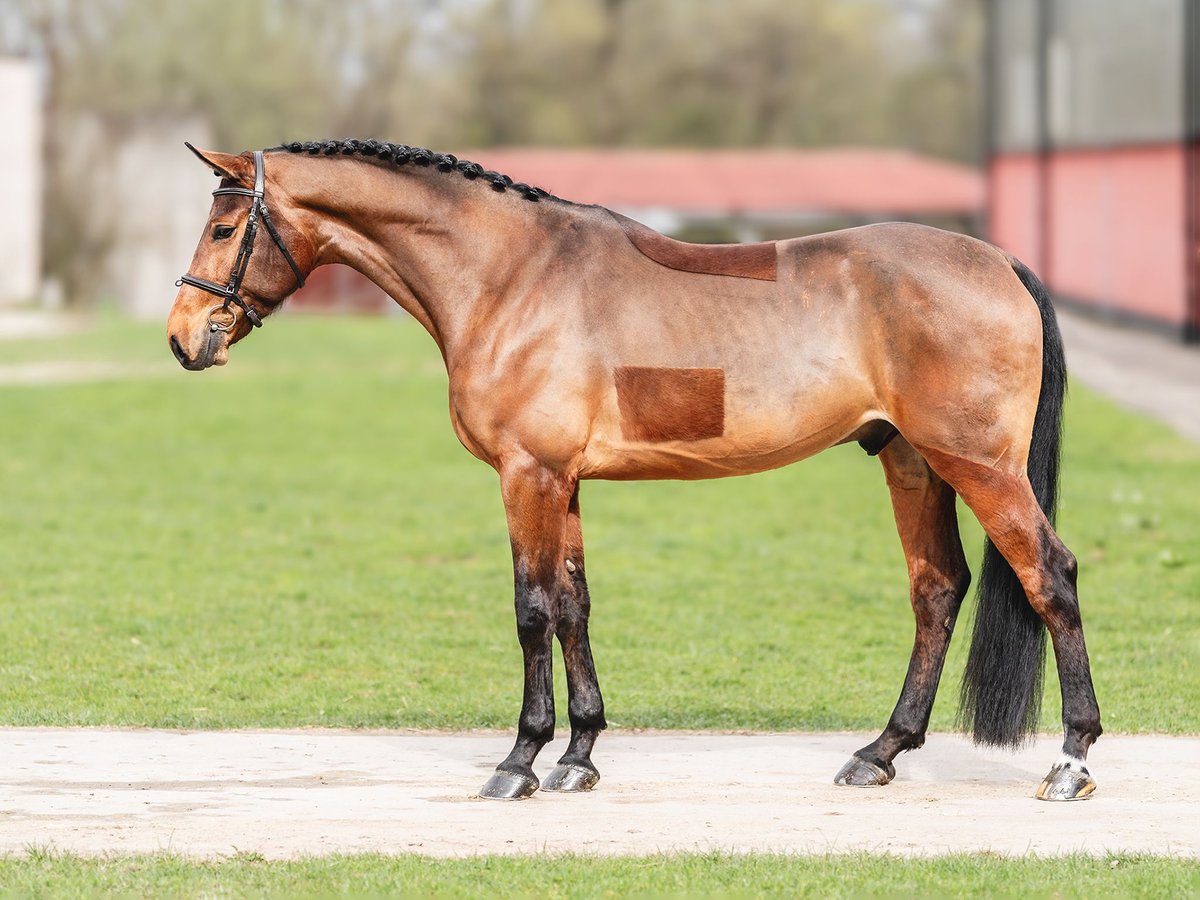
(250, 258)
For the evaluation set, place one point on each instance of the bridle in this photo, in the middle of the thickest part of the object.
(230, 291)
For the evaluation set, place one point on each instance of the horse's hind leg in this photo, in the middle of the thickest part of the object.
(938, 578)
(585, 706)
(1009, 512)
(536, 502)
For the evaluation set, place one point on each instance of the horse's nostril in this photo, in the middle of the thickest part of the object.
(178, 351)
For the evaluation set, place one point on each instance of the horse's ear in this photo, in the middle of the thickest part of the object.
(225, 165)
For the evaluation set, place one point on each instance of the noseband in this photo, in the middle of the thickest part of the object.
(230, 292)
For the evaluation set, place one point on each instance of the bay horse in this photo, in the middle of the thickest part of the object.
(580, 344)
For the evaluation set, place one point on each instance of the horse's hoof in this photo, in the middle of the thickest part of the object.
(508, 786)
(858, 772)
(570, 779)
(1068, 780)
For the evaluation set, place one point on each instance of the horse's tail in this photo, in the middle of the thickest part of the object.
(1002, 685)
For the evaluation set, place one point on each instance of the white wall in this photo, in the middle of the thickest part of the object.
(20, 182)
(164, 194)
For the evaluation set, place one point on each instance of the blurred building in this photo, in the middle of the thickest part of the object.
(163, 194)
(1094, 170)
(20, 182)
(751, 195)
(721, 195)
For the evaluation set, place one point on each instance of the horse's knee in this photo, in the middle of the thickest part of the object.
(535, 612)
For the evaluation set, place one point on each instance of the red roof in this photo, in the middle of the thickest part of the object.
(722, 182)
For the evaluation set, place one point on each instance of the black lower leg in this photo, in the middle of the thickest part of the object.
(535, 728)
(1051, 588)
(585, 705)
(936, 603)
(1059, 609)
(938, 579)
(536, 501)
(514, 777)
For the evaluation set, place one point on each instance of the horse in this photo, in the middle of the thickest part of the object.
(580, 344)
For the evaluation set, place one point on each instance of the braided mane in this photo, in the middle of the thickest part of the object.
(401, 154)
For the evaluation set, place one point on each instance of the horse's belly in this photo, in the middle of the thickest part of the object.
(680, 460)
(695, 424)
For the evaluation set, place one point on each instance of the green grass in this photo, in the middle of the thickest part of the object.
(41, 874)
(298, 539)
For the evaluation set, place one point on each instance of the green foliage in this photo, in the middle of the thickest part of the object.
(52, 875)
(759, 72)
(298, 539)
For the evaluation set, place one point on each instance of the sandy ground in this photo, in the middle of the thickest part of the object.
(17, 324)
(284, 794)
(1150, 373)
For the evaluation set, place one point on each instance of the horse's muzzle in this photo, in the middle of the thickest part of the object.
(210, 353)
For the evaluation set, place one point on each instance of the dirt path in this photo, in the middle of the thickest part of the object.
(284, 794)
(1149, 373)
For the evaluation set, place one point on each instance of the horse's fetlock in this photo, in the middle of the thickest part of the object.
(588, 720)
(1084, 727)
(906, 735)
(537, 724)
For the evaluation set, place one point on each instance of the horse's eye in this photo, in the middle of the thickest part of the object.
(221, 232)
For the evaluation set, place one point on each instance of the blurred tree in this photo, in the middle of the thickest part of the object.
(939, 95)
(252, 68)
(680, 72)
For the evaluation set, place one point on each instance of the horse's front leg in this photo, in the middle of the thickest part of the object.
(575, 771)
(536, 501)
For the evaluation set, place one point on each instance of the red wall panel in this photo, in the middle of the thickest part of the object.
(1116, 219)
(1013, 207)
(340, 289)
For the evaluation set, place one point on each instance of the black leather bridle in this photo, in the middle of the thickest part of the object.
(230, 292)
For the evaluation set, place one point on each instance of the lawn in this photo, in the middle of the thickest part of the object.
(42, 874)
(298, 539)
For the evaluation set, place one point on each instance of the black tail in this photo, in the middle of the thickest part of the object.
(1002, 685)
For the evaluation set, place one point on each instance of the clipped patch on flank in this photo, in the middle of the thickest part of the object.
(667, 404)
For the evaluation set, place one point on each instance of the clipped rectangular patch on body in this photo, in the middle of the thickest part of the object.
(667, 404)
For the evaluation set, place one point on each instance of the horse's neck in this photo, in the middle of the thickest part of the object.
(436, 246)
